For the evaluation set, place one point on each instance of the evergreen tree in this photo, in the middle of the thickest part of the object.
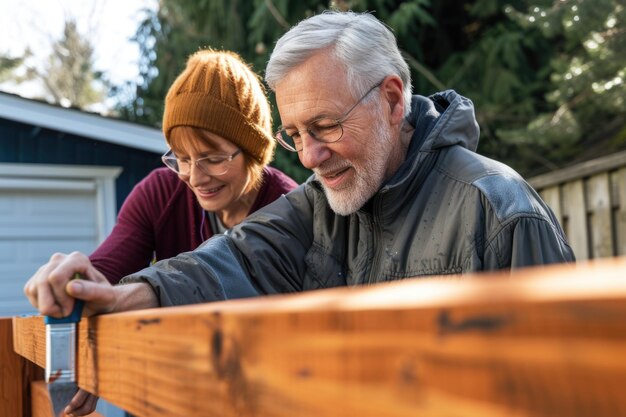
(8, 65)
(67, 77)
(585, 114)
(541, 78)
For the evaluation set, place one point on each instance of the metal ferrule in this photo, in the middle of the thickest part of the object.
(60, 352)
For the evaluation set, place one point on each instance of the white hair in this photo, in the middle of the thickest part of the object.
(363, 45)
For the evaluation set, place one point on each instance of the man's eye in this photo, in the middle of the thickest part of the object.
(324, 126)
(215, 160)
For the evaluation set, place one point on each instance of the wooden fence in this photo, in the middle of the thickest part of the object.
(589, 199)
(543, 342)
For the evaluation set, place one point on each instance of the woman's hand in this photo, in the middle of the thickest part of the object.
(52, 290)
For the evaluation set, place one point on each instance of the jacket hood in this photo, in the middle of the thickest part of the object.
(443, 119)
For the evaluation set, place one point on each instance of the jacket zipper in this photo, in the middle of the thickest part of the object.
(377, 234)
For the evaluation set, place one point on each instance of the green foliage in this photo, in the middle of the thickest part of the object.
(8, 65)
(408, 14)
(547, 77)
(586, 92)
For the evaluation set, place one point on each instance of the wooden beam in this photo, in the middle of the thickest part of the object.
(15, 376)
(542, 342)
(585, 169)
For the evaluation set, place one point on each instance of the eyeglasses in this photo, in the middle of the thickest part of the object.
(212, 165)
(324, 130)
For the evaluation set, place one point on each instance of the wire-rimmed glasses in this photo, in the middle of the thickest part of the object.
(325, 129)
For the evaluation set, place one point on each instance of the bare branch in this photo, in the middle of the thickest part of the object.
(423, 70)
(277, 16)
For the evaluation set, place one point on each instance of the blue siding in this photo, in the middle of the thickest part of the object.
(25, 143)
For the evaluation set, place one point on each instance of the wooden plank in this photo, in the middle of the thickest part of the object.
(29, 339)
(552, 197)
(41, 404)
(580, 171)
(618, 182)
(598, 202)
(576, 213)
(549, 342)
(15, 376)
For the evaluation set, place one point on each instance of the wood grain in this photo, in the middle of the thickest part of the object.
(598, 195)
(618, 183)
(541, 342)
(582, 170)
(575, 211)
(552, 197)
(15, 375)
(29, 339)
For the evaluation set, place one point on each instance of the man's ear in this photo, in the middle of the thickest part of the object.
(391, 89)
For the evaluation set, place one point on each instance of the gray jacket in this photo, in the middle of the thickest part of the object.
(447, 210)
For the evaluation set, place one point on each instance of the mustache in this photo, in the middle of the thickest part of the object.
(330, 167)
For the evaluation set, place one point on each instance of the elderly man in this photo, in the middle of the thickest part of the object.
(397, 190)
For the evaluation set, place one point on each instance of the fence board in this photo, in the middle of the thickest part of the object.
(618, 181)
(598, 196)
(15, 376)
(579, 171)
(552, 197)
(576, 213)
(586, 240)
(549, 342)
(29, 339)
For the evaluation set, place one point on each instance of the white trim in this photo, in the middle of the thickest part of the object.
(106, 217)
(80, 123)
(58, 171)
(44, 184)
(69, 177)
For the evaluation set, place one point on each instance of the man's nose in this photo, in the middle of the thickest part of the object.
(313, 152)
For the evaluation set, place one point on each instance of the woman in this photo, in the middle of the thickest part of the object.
(217, 122)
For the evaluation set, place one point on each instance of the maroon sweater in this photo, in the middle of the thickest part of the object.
(161, 218)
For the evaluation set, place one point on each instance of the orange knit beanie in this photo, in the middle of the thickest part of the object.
(218, 92)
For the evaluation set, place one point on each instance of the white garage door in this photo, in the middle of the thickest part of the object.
(46, 209)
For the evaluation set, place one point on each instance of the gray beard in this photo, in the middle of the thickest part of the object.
(367, 180)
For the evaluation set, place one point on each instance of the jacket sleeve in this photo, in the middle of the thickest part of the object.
(527, 241)
(262, 255)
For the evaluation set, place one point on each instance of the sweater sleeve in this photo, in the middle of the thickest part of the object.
(131, 244)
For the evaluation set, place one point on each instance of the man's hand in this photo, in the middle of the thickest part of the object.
(52, 291)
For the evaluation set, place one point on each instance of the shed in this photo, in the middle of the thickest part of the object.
(64, 174)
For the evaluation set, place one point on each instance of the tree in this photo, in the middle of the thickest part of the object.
(8, 65)
(585, 114)
(500, 53)
(68, 77)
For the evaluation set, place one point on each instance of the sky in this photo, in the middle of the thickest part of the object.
(108, 23)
